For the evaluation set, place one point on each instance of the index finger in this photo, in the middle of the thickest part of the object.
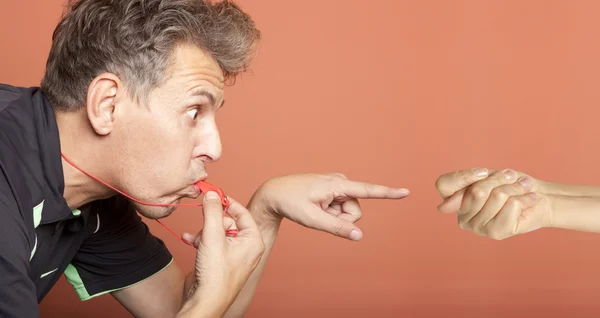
(450, 183)
(241, 215)
(363, 190)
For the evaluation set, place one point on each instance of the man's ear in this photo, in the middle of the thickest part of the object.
(103, 94)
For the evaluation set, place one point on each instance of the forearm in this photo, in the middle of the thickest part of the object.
(189, 286)
(578, 213)
(269, 227)
(573, 207)
(196, 304)
(572, 190)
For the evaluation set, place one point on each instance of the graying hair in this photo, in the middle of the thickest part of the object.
(135, 39)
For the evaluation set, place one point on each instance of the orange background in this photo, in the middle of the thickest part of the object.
(395, 92)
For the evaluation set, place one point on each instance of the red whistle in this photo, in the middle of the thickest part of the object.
(205, 187)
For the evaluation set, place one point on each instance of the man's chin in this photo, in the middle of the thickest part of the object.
(155, 213)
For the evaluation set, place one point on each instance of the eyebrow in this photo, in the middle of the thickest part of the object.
(207, 94)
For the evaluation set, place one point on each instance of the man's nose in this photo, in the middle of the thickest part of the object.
(209, 144)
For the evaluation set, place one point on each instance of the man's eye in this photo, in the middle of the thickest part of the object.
(193, 113)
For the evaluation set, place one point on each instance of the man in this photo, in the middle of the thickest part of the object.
(501, 204)
(129, 100)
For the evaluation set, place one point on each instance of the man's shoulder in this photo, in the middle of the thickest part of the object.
(12, 136)
(10, 93)
(10, 159)
(29, 149)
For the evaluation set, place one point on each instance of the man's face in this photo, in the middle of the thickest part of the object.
(164, 145)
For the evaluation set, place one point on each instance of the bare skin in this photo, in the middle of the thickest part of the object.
(502, 204)
(155, 151)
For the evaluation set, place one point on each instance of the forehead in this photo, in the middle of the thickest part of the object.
(191, 67)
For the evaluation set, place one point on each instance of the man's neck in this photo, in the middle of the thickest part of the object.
(80, 189)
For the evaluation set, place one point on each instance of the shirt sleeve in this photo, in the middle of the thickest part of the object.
(120, 253)
(17, 291)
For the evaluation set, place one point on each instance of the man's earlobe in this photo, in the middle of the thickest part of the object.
(100, 107)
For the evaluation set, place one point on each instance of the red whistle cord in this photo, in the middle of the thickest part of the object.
(203, 186)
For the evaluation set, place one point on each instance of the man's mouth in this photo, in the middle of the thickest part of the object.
(196, 191)
(195, 188)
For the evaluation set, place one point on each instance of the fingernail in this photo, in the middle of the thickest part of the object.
(481, 172)
(525, 182)
(510, 174)
(404, 191)
(211, 195)
(355, 235)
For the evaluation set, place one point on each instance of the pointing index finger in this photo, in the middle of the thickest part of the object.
(363, 190)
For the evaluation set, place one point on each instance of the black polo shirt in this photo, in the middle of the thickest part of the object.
(101, 247)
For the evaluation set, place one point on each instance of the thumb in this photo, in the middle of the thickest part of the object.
(334, 225)
(212, 209)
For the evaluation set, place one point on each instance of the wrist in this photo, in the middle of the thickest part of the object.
(551, 188)
(558, 203)
(558, 189)
(264, 210)
(548, 204)
(201, 306)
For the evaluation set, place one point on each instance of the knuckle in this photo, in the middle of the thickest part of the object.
(358, 215)
(337, 227)
(439, 183)
(478, 229)
(334, 176)
(496, 235)
(368, 188)
(463, 225)
(477, 192)
(340, 175)
(500, 194)
(496, 232)
(512, 202)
